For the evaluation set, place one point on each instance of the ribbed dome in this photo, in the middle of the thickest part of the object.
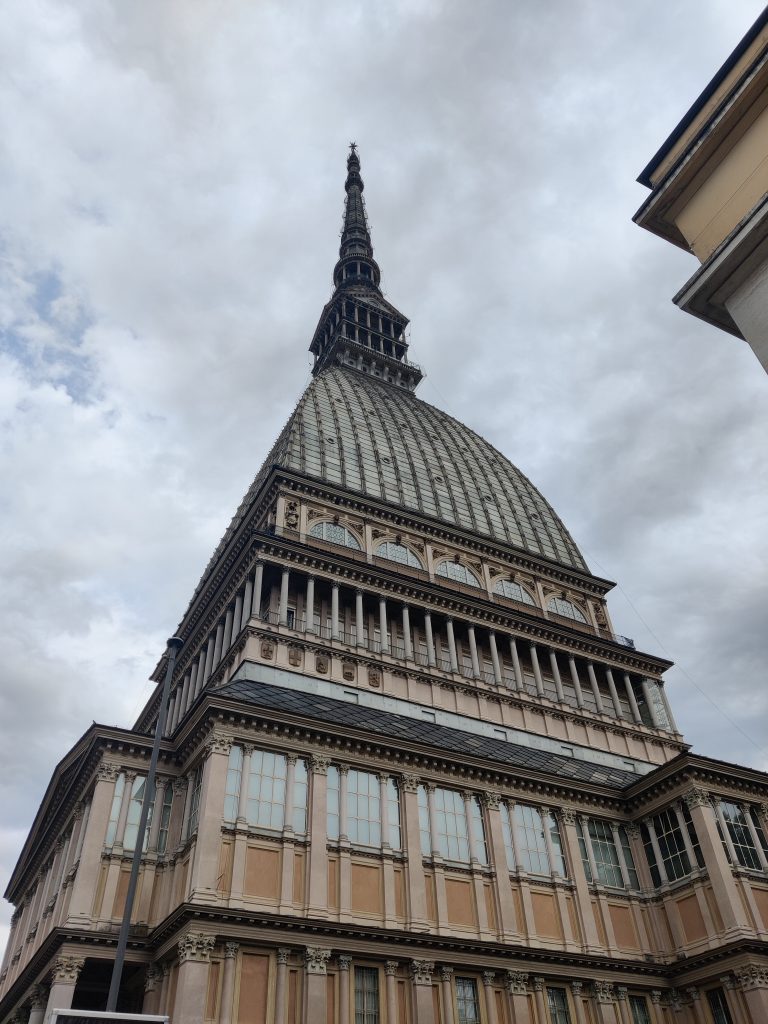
(364, 435)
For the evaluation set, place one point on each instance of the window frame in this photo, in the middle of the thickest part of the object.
(346, 532)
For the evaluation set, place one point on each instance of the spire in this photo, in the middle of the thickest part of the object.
(358, 327)
(356, 260)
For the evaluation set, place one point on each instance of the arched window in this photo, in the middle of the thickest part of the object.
(568, 609)
(335, 534)
(398, 553)
(513, 591)
(458, 572)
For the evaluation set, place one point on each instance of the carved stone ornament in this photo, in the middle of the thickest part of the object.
(294, 656)
(216, 743)
(576, 987)
(66, 969)
(538, 984)
(489, 977)
(673, 1000)
(231, 950)
(693, 993)
(374, 677)
(107, 771)
(151, 978)
(517, 983)
(316, 959)
(319, 764)
(38, 997)
(697, 797)
(752, 976)
(179, 785)
(728, 981)
(621, 993)
(568, 815)
(446, 974)
(322, 663)
(390, 968)
(632, 830)
(345, 962)
(600, 618)
(603, 991)
(410, 783)
(282, 954)
(292, 515)
(348, 670)
(196, 946)
(421, 971)
(267, 650)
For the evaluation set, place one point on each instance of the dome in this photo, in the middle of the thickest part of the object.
(384, 443)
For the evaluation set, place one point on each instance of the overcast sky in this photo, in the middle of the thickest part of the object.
(172, 177)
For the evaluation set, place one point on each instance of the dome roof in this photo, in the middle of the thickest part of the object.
(368, 437)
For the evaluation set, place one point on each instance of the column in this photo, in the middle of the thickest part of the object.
(650, 704)
(431, 660)
(345, 963)
(451, 645)
(606, 1008)
(208, 659)
(289, 846)
(407, 641)
(318, 861)
(199, 674)
(576, 987)
(668, 709)
(417, 892)
(473, 652)
(390, 970)
(538, 998)
(125, 804)
(519, 685)
(258, 586)
(621, 1002)
(507, 917)
(583, 900)
(383, 625)
(489, 978)
(315, 982)
(556, 675)
(343, 801)
(169, 725)
(595, 688)
(66, 971)
(681, 824)
(229, 618)
(497, 677)
(161, 782)
(245, 611)
(753, 982)
(228, 982)
(613, 692)
(334, 611)
(359, 619)
(38, 1002)
(204, 874)
(637, 717)
(195, 950)
(537, 671)
(237, 618)
(576, 681)
(193, 673)
(282, 610)
(281, 986)
(517, 994)
(421, 976)
(310, 605)
(467, 797)
(446, 994)
(217, 646)
(727, 839)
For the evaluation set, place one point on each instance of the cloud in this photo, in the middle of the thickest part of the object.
(172, 181)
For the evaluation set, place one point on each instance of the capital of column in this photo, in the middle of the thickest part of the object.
(217, 743)
(693, 993)
(538, 984)
(343, 769)
(151, 978)
(603, 991)
(446, 973)
(411, 783)
(492, 799)
(319, 764)
(752, 976)
(345, 962)
(576, 987)
(390, 967)
(196, 946)
(621, 993)
(568, 815)
(231, 950)
(66, 969)
(179, 785)
(316, 959)
(107, 771)
(38, 997)
(421, 971)
(489, 977)
(282, 954)
(697, 797)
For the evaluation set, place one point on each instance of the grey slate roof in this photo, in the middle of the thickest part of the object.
(394, 727)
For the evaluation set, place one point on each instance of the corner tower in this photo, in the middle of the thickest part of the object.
(410, 772)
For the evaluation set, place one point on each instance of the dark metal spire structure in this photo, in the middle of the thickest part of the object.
(358, 328)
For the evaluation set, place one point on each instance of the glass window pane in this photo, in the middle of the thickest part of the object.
(558, 1006)
(466, 1001)
(366, 995)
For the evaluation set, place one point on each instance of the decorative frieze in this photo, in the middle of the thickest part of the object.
(197, 947)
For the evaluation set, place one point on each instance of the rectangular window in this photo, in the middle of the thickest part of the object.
(718, 1006)
(671, 844)
(366, 995)
(451, 825)
(300, 796)
(638, 1007)
(234, 778)
(134, 814)
(363, 808)
(424, 832)
(466, 1001)
(558, 1006)
(114, 813)
(165, 819)
(741, 837)
(194, 798)
(393, 808)
(506, 828)
(609, 859)
(531, 845)
(266, 790)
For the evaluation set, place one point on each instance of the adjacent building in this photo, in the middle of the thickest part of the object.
(411, 773)
(709, 194)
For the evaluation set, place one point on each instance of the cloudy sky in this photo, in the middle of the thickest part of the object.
(172, 182)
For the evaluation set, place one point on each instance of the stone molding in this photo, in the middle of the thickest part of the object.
(421, 971)
(316, 959)
(66, 969)
(196, 946)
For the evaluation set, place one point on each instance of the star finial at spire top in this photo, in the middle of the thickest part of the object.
(353, 147)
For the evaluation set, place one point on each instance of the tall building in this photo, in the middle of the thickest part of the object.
(411, 775)
(709, 194)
